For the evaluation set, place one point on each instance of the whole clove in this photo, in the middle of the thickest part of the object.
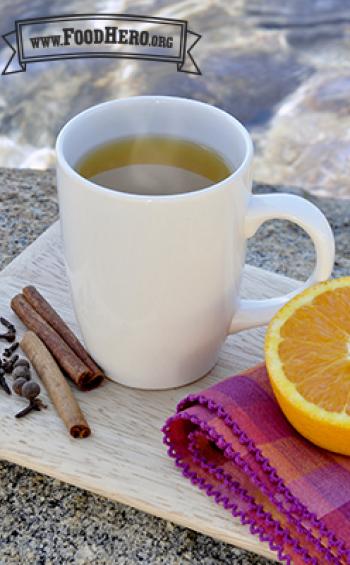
(8, 364)
(8, 325)
(10, 350)
(31, 391)
(10, 335)
(21, 363)
(33, 405)
(20, 369)
(21, 372)
(17, 385)
(3, 383)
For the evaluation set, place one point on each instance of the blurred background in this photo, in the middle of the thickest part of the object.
(282, 68)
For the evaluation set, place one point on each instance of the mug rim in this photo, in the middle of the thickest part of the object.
(69, 169)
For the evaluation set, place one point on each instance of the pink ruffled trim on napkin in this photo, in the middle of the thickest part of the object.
(233, 442)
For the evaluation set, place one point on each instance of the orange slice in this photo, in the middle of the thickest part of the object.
(307, 352)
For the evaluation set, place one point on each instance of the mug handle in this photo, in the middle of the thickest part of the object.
(253, 313)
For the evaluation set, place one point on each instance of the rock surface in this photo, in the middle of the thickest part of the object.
(47, 522)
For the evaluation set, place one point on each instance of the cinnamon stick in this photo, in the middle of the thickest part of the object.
(56, 385)
(40, 304)
(80, 374)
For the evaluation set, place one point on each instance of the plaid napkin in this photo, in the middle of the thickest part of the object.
(234, 443)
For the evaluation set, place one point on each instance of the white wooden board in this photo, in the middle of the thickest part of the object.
(124, 459)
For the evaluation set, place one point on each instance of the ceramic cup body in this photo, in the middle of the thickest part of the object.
(155, 279)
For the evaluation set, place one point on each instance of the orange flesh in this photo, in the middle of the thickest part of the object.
(315, 350)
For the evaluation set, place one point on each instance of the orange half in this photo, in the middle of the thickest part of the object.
(307, 352)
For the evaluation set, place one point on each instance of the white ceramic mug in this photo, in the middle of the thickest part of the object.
(155, 279)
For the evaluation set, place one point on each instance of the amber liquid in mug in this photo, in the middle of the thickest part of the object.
(153, 165)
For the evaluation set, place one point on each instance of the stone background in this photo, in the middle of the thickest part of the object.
(282, 68)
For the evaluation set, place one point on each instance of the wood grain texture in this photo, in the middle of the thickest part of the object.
(124, 459)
